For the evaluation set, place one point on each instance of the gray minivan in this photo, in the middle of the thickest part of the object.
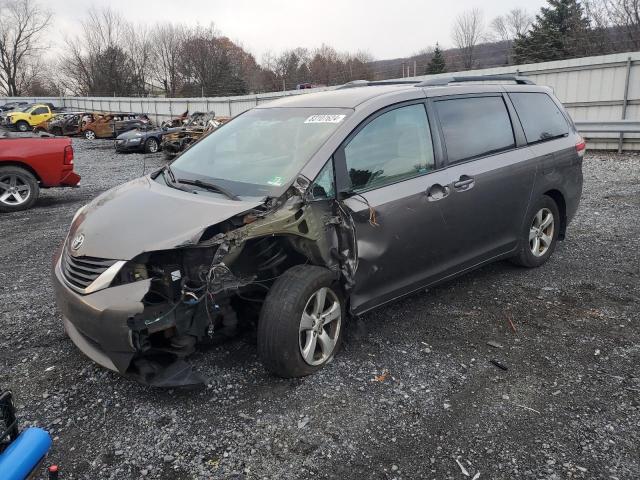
(302, 212)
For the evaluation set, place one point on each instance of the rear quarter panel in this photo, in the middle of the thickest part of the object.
(44, 156)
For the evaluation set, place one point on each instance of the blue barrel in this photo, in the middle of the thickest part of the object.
(24, 454)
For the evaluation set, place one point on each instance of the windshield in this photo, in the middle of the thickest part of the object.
(259, 152)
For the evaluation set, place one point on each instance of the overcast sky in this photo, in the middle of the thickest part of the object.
(384, 28)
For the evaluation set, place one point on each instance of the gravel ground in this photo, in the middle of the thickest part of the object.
(412, 393)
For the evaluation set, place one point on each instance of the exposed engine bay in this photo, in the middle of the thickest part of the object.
(211, 288)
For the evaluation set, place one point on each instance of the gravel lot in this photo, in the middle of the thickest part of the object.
(412, 392)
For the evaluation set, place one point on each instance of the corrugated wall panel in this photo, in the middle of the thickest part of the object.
(592, 88)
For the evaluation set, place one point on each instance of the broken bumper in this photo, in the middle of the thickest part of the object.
(97, 322)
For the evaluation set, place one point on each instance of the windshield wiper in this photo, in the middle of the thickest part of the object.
(209, 186)
(172, 177)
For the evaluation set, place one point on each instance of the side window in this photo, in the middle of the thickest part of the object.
(540, 117)
(40, 111)
(474, 126)
(394, 146)
(324, 187)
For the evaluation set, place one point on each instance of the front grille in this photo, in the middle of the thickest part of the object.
(82, 271)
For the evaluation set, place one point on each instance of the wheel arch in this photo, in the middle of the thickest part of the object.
(558, 197)
(25, 166)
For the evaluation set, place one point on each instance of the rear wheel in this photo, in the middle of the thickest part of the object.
(22, 126)
(540, 233)
(151, 145)
(18, 189)
(89, 134)
(301, 322)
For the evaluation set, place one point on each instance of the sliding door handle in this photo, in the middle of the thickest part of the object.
(465, 182)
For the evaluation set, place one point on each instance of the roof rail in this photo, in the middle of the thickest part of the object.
(369, 83)
(441, 81)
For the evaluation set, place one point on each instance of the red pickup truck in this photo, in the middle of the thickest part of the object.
(28, 164)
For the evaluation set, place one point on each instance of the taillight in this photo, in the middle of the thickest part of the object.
(581, 146)
(68, 155)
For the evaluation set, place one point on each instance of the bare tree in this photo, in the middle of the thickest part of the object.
(468, 29)
(511, 25)
(167, 44)
(506, 28)
(22, 23)
(624, 15)
(96, 61)
(140, 50)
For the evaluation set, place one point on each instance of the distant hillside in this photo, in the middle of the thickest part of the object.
(493, 54)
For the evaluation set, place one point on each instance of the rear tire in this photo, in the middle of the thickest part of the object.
(19, 189)
(301, 322)
(540, 233)
(89, 134)
(151, 145)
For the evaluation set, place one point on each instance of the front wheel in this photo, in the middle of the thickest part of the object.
(540, 233)
(22, 126)
(18, 189)
(301, 322)
(89, 134)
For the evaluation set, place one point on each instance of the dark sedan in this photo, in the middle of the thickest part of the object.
(143, 140)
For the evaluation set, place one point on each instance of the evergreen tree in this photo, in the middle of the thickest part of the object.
(559, 31)
(437, 63)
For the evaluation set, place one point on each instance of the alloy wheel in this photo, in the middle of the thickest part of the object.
(89, 135)
(14, 190)
(153, 145)
(320, 326)
(541, 232)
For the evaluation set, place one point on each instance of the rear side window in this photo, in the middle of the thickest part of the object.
(475, 126)
(392, 147)
(540, 117)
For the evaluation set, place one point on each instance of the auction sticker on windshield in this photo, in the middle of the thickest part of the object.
(325, 119)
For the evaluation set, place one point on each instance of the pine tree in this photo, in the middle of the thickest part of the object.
(559, 31)
(437, 63)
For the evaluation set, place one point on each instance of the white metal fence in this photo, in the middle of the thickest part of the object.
(601, 88)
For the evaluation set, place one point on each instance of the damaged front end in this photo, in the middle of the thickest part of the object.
(143, 316)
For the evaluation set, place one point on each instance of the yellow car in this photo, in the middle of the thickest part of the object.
(30, 116)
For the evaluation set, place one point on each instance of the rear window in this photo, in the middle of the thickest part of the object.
(540, 117)
(475, 126)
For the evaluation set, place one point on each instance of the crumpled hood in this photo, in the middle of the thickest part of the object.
(143, 215)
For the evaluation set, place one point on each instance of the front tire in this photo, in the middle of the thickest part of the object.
(22, 126)
(19, 189)
(540, 233)
(301, 322)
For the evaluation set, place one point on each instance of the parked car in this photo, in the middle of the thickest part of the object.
(28, 117)
(110, 125)
(298, 213)
(28, 164)
(198, 125)
(63, 123)
(21, 453)
(146, 139)
(11, 106)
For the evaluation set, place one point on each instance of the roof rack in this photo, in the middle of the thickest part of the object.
(369, 83)
(441, 81)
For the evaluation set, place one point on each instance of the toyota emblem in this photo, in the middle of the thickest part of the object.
(77, 242)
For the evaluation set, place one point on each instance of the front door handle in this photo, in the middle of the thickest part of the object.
(437, 192)
(465, 182)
